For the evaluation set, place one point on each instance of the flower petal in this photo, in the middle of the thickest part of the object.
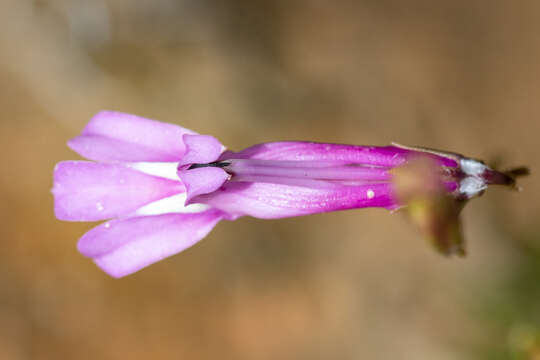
(113, 136)
(270, 201)
(88, 191)
(387, 156)
(122, 247)
(202, 181)
(201, 149)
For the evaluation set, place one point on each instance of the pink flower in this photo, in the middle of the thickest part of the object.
(166, 187)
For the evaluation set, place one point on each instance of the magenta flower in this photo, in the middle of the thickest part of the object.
(166, 187)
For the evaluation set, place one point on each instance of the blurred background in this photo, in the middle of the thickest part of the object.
(457, 75)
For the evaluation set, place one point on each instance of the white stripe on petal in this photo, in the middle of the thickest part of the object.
(162, 169)
(172, 204)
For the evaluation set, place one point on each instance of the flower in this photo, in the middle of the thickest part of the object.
(162, 188)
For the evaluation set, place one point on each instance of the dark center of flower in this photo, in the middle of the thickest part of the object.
(218, 164)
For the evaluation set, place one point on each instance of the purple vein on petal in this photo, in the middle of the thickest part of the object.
(301, 151)
(386, 156)
(271, 200)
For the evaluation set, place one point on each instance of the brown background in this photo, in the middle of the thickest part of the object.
(456, 75)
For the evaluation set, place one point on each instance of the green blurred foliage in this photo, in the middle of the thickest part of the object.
(510, 310)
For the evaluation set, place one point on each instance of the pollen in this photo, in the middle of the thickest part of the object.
(370, 194)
